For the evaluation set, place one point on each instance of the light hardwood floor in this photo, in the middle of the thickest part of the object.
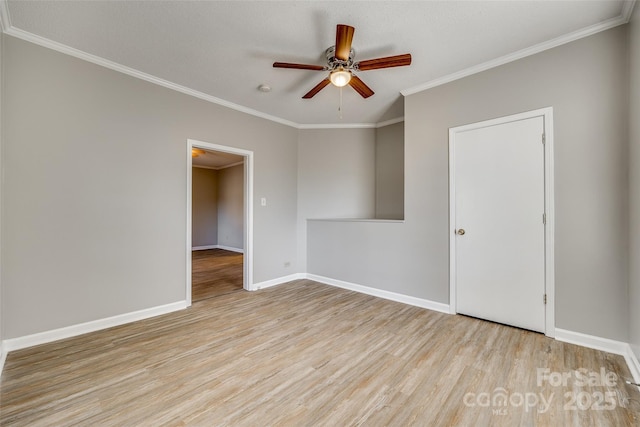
(307, 354)
(215, 272)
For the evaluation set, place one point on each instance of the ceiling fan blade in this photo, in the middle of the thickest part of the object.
(344, 36)
(386, 62)
(298, 66)
(360, 87)
(317, 89)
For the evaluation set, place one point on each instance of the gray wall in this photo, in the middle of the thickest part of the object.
(390, 172)
(634, 170)
(204, 212)
(586, 84)
(336, 177)
(87, 236)
(231, 207)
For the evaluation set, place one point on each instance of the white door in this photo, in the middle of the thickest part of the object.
(499, 229)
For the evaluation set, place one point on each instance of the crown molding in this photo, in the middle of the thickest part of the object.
(217, 168)
(5, 20)
(352, 125)
(231, 165)
(337, 126)
(212, 168)
(41, 41)
(627, 10)
(623, 18)
(390, 122)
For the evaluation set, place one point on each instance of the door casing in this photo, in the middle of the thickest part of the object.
(247, 273)
(547, 114)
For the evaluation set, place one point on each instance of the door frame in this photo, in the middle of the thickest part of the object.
(247, 272)
(549, 273)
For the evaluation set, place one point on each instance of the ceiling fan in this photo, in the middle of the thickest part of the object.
(342, 66)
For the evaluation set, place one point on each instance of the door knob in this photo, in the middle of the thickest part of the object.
(461, 231)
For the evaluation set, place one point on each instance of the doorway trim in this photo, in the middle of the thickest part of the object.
(247, 272)
(549, 232)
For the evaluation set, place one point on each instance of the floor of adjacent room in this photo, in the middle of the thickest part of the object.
(305, 353)
(215, 272)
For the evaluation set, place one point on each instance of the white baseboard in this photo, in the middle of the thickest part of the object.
(418, 302)
(591, 341)
(204, 248)
(230, 248)
(603, 344)
(226, 248)
(278, 281)
(3, 356)
(83, 328)
(633, 363)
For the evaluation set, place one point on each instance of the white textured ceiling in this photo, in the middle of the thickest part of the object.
(225, 49)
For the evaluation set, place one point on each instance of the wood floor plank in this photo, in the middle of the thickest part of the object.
(304, 354)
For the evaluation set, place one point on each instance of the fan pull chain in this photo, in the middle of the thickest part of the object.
(340, 106)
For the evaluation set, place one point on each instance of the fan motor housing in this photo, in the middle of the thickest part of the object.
(335, 63)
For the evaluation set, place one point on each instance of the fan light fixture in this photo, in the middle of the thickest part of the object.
(195, 152)
(340, 77)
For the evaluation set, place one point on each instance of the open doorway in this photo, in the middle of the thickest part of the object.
(219, 220)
